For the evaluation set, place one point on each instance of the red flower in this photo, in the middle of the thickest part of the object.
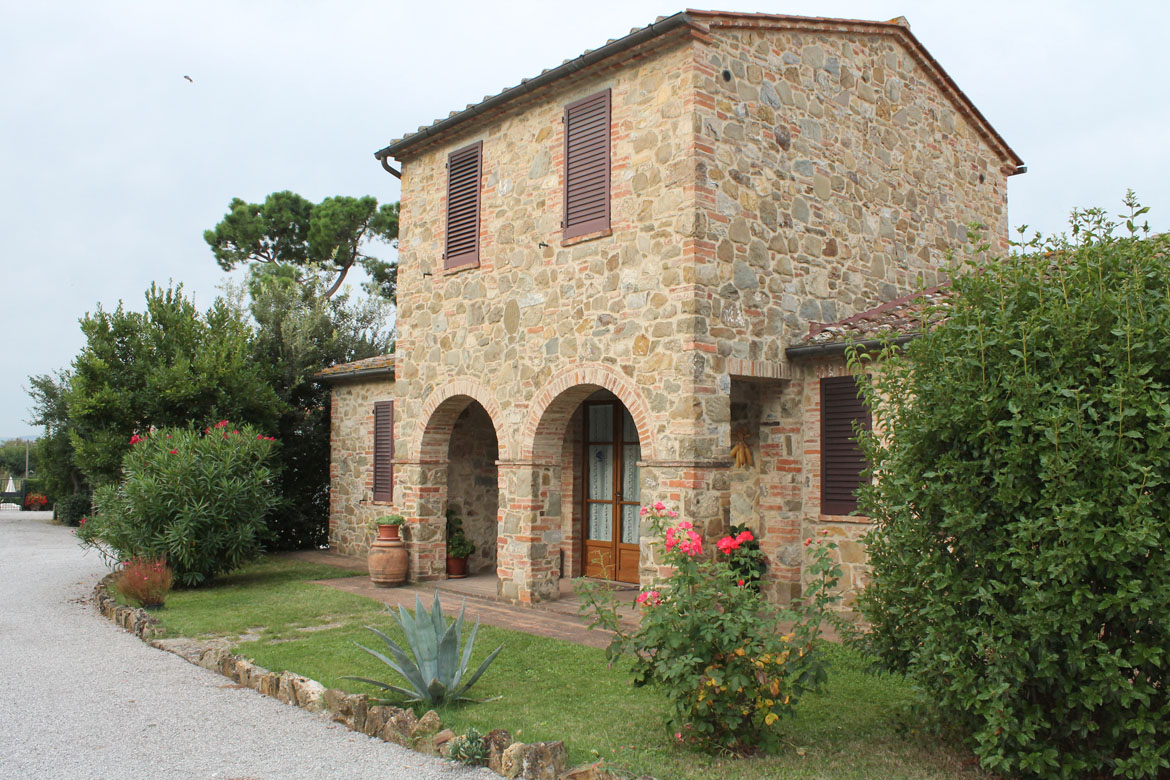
(739, 583)
(744, 536)
(727, 544)
(221, 424)
(174, 452)
(82, 522)
(136, 438)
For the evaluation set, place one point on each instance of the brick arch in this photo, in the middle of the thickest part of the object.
(544, 430)
(438, 415)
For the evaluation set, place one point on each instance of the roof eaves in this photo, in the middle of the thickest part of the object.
(635, 38)
(361, 373)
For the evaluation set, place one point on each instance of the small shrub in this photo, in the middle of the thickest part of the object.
(197, 500)
(469, 748)
(145, 581)
(709, 641)
(35, 502)
(458, 545)
(71, 509)
(745, 558)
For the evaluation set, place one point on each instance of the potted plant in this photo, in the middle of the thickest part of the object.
(459, 547)
(387, 557)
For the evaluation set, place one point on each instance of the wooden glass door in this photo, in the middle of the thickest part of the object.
(612, 502)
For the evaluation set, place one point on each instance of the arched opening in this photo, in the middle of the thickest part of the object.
(473, 485)
(592, 438)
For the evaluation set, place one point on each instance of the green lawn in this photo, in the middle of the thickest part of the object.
(858, 728)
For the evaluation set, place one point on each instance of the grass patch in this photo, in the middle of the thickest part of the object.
(858, 728)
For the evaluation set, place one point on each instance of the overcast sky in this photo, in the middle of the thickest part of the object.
(113, 164)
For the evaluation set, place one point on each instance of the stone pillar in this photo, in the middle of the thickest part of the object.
(530, 531)
(782, 485)
(422, 498)
(699, 490)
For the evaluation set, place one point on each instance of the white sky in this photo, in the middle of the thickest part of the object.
(112, 165)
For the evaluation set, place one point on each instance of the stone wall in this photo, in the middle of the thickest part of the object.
(834, 174)
(351, 474)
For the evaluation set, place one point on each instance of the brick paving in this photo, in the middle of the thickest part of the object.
(555, 619)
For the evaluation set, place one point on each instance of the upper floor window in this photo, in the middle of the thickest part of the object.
(587, 165)
(464, 172)
(842, 461)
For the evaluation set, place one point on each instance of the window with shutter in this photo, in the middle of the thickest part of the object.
(587, 165)
(384, 451)
(464, 172)
(842, 461)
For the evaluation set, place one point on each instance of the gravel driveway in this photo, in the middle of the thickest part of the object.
(82, 699)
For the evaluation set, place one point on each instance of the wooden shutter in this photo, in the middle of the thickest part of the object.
(464, 172)
(587, 165)
(842, 461)
(384, 451)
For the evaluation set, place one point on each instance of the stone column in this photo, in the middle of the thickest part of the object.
(782, 484)
(422, 497)
(699, 490)
(530, 531)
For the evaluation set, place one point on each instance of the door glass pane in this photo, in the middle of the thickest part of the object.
(600, 422)
(629, 430)
(631, 454)
(601, 522)
(631, 522)
(600, 487)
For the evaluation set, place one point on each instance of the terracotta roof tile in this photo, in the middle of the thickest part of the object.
(369, 364)
(900, 317)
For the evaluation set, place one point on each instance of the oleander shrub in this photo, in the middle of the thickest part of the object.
(194, 498)
(1021, 547)
(71, 509)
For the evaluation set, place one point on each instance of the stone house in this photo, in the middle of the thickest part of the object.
(608, 274)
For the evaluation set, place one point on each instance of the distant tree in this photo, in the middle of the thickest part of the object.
(300, 331)
(55, 462)
(320, 241)
(169, 365)
(12, 454)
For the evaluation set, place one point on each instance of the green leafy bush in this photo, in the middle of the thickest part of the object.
(71, 509)
(195, 499)
(1021, 553)
(709, 641)
(469, 748)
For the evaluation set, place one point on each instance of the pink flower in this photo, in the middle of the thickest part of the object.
(658, 507)
(649, 598)
(670, 541)
(671, 513)
(807, 542)
(235, 433)
(135, 439)
(727, 544)
(686, 524)
(221, 424)
(744, 536)
(644, 511)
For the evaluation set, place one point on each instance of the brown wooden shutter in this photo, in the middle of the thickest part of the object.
(587, 166)
(464, 172)
(842, 461)
(384, 451)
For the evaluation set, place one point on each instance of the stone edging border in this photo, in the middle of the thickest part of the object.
(531, 761)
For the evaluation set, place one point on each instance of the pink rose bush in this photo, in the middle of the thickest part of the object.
(710, 642)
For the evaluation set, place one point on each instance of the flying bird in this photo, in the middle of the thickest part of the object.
(189, 79)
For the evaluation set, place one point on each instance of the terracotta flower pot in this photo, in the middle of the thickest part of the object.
(387, 558)
(456, 567)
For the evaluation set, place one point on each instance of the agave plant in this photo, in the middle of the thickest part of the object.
(437, 673)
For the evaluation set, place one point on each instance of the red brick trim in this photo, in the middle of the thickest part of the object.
(543, 434)
(438, 414)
